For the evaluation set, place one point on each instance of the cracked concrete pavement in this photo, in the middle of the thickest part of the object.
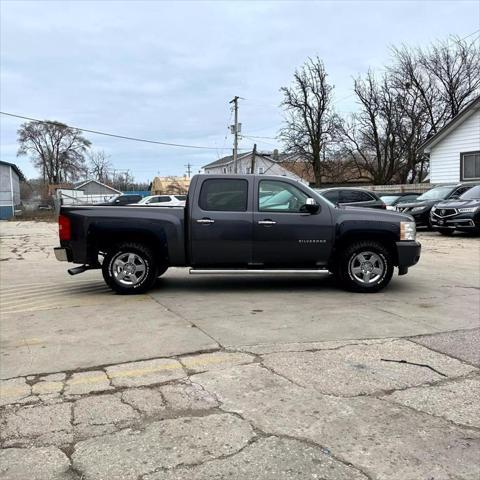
(287, 380)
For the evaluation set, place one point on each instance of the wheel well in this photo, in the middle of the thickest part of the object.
(388, 240)
(157, 245)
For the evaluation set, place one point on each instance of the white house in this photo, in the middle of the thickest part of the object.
(268, 163)
(455, 150)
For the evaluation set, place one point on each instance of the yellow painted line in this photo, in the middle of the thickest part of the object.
(137, 372)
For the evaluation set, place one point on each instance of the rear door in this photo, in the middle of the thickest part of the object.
(221, 223)
(283, 234)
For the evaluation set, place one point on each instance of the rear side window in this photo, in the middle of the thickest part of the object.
(352, 196)
(181, 197)
(407, 198)
(159, 199)
(224, 195)
(332, 196)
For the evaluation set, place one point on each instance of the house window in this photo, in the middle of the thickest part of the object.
(261, 170)
(224, 169)
(470, 166)
(248, 170)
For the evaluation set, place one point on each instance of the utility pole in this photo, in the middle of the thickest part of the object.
(235, 133)
(254, 152)
(189, 169)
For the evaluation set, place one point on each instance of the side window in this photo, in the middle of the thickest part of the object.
(407, 198)
(460, 190)
(352, 196)
(276, 196)
(229, 195)
(159, 199)
(331, 195)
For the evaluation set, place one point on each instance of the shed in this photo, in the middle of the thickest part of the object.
(10, 178)
(94, 187)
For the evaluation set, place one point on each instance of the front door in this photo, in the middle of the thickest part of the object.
(221, 223)
(283, 234)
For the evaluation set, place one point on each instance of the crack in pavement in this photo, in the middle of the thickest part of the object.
(192, 324)
(406, 362)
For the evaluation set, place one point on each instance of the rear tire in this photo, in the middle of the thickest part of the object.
(446, 231)
(365, 266)
(130, 268)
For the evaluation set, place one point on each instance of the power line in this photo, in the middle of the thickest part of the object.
(255, 136)
(123, 137)
(468, 36)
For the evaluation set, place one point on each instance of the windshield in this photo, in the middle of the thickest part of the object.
(389, 199)
(144, 200)
(438, 193)
(471, 194)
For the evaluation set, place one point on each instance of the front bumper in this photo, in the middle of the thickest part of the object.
(408, 254)
(62, 254)
(460, 220)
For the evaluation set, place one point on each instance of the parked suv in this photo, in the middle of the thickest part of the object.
(460, 214)
(122, 200)
(164, 200)
(354, 197)
(391, 200)
(421, 207)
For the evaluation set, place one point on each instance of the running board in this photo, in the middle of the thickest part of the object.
(252, 271)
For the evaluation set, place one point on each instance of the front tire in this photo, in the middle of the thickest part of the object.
(130, 268)
(365, 266)
(448, 232)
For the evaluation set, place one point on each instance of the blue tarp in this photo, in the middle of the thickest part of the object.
(143, 193)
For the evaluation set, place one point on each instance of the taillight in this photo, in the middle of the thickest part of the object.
(64, 230)
(383, 206)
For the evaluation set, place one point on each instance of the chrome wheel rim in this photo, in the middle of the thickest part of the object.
(367, 267)
(128, 269)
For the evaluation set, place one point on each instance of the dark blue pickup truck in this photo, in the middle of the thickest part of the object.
(239, 224)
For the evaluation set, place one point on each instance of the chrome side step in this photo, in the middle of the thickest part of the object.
(252, 271)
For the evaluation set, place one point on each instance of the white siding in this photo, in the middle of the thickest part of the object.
(445, 155)
(269, 168)
(5, 186)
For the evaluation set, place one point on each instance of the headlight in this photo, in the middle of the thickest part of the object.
(418, 209)
(468, 210)
(408, 230)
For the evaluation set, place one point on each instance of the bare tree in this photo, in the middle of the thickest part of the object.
(99, 166)
(123, 180)
(433, 85)
(57, 150)
(309, 121)
(419, 93)
(454, 67)
(370, 137)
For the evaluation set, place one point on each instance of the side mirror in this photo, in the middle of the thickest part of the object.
(311, 206)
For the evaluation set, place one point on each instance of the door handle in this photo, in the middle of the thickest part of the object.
(267, 222)
(205, 221)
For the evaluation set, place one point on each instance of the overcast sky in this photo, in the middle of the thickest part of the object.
(167, 70)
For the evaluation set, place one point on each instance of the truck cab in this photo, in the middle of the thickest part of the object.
(257, 221)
